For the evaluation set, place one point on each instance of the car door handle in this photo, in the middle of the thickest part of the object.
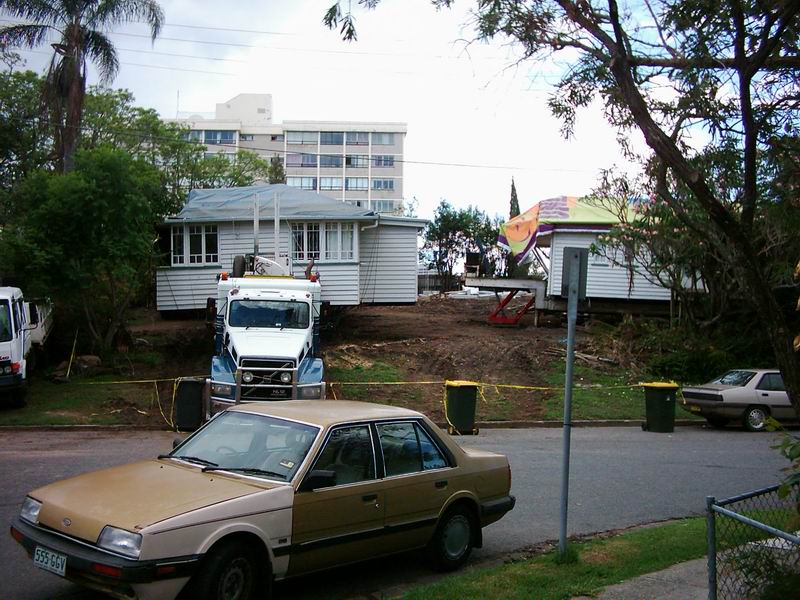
(370, 498)
(441, 484)
(763, 394)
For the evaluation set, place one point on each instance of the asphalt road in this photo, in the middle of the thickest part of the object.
(620, 476)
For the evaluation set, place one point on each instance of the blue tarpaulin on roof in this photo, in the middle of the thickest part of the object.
(236, 204)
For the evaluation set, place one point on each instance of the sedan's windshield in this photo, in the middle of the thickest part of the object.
(256, 445)
(5, 322)
(735, 378)
(269, 313)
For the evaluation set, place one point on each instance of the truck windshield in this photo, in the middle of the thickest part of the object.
(269, 313)
(5, 321)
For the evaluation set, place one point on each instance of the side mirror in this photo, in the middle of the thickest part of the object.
(227, 338)
(176, 442)
(318, 479)
(211, 310)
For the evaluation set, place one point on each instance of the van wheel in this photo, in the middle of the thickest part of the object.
(755, 418)
(453, 540)
(230, 572)
(238, 266)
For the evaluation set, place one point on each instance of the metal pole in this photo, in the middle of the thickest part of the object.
(277, 226)
(256, 216)
(572, 316)
(711, 538)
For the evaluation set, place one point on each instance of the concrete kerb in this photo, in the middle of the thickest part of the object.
(523, 424)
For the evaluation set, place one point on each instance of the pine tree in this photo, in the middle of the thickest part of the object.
(514, 211)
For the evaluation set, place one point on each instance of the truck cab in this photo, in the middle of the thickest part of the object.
(266, 341)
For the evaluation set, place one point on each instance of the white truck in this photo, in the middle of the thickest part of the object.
(24, 327)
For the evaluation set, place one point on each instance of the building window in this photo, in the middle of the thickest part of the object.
(305, 183)
(357, 138)
(356, 183)
(177, 245)
(305, 241)
(302, 137)
(330, 160)
(276, 138)
(193, 135)
(295, 159)
(383, 160)
(218, 136)
(383, 139)
(384, 206)
(331, 138)
(330, 183)
(357, 161)
(246, 137)
(383, 184)
(211, 244)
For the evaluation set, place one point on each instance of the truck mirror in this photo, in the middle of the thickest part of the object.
(211, 310)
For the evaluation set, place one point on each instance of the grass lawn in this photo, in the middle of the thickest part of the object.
(600, 563)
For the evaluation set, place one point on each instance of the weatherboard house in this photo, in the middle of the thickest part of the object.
(362, 257)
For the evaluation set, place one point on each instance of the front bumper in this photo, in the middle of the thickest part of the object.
(90, 566)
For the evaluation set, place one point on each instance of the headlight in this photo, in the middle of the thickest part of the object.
(286, 377)
(30, 510)
(120, 541)
(312, 392)
(247, 377)
(7, 370)
(221, 389)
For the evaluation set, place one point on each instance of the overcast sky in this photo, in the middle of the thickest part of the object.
(464, 103)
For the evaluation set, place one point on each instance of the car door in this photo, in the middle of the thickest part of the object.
(417, 483)
(771, 391)
(339, 524)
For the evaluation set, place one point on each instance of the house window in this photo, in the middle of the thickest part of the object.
(357, 161)
(332, 241)
(305, 241)
(302, 137)
(305, 183)
(383, 139)
(218, 136)
(195, 244)
(331, 138)
(339, 241)
(356, 183)
(296, 159)
(383, 184)
(246, 137)
(177, 245)
(598, 255)
(330, 160)
(383, 160)
(330, 183)
(347, 241)
(211, 243)
(357, 138)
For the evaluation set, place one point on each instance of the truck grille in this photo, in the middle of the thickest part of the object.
(270, 376)
(702, 396)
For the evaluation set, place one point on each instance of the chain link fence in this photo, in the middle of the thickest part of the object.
(754, 546)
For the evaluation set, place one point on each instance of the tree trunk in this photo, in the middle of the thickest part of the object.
(74, 113)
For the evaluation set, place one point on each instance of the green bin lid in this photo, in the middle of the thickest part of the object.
(461, 383)
(660, 384)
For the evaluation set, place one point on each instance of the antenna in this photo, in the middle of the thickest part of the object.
(178, 105)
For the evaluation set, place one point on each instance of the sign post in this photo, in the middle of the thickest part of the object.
(574, 271)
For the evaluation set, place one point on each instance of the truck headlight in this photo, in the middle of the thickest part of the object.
(30, 510)
(286, 377)
(221, 389)
(120, 541)
(247, 377)
(312, 392)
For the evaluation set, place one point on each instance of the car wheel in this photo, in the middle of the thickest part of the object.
(717, 422)
(452, 542)
(230, 572)
(755, 418)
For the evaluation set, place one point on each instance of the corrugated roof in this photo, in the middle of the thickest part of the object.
(236, 204)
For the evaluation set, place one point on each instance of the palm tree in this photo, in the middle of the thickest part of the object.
(80, 26)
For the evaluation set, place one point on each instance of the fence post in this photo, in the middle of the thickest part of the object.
(711, 537)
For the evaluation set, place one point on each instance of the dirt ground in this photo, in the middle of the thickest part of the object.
(445, 339)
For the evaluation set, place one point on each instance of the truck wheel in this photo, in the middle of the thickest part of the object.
(453, 540)
(238, 266)
(755, 418)
(230, 572)
(19, 397)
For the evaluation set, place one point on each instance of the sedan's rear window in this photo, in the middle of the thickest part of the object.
(735, 378)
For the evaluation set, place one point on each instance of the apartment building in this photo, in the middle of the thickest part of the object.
(360, 163)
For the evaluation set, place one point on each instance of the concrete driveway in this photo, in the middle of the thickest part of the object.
(621, 476)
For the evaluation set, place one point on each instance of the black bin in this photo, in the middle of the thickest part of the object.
(659, 397)
(189, 403)
(460, 400)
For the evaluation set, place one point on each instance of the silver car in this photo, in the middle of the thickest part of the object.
(745, 395)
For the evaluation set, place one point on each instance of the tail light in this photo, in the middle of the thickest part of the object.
(15, 367)
(509, 477)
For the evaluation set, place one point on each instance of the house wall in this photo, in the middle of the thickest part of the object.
(602, 280)
(388, 264)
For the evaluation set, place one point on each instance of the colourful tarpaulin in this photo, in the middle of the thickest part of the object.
(519, 234)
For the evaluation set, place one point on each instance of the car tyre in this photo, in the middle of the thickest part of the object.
(453, 540)
(19, 397)
(717, 422)
(230, 572)
(755, 418)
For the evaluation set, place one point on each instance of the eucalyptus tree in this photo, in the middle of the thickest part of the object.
(712, 86)
(78, 30)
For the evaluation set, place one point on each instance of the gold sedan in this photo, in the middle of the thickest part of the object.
(265, 492)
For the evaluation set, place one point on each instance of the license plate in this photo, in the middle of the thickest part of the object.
(50, 561)
(694, 408)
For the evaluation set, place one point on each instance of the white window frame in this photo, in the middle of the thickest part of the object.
(184, 256)
(326, 253)
(356, 189)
